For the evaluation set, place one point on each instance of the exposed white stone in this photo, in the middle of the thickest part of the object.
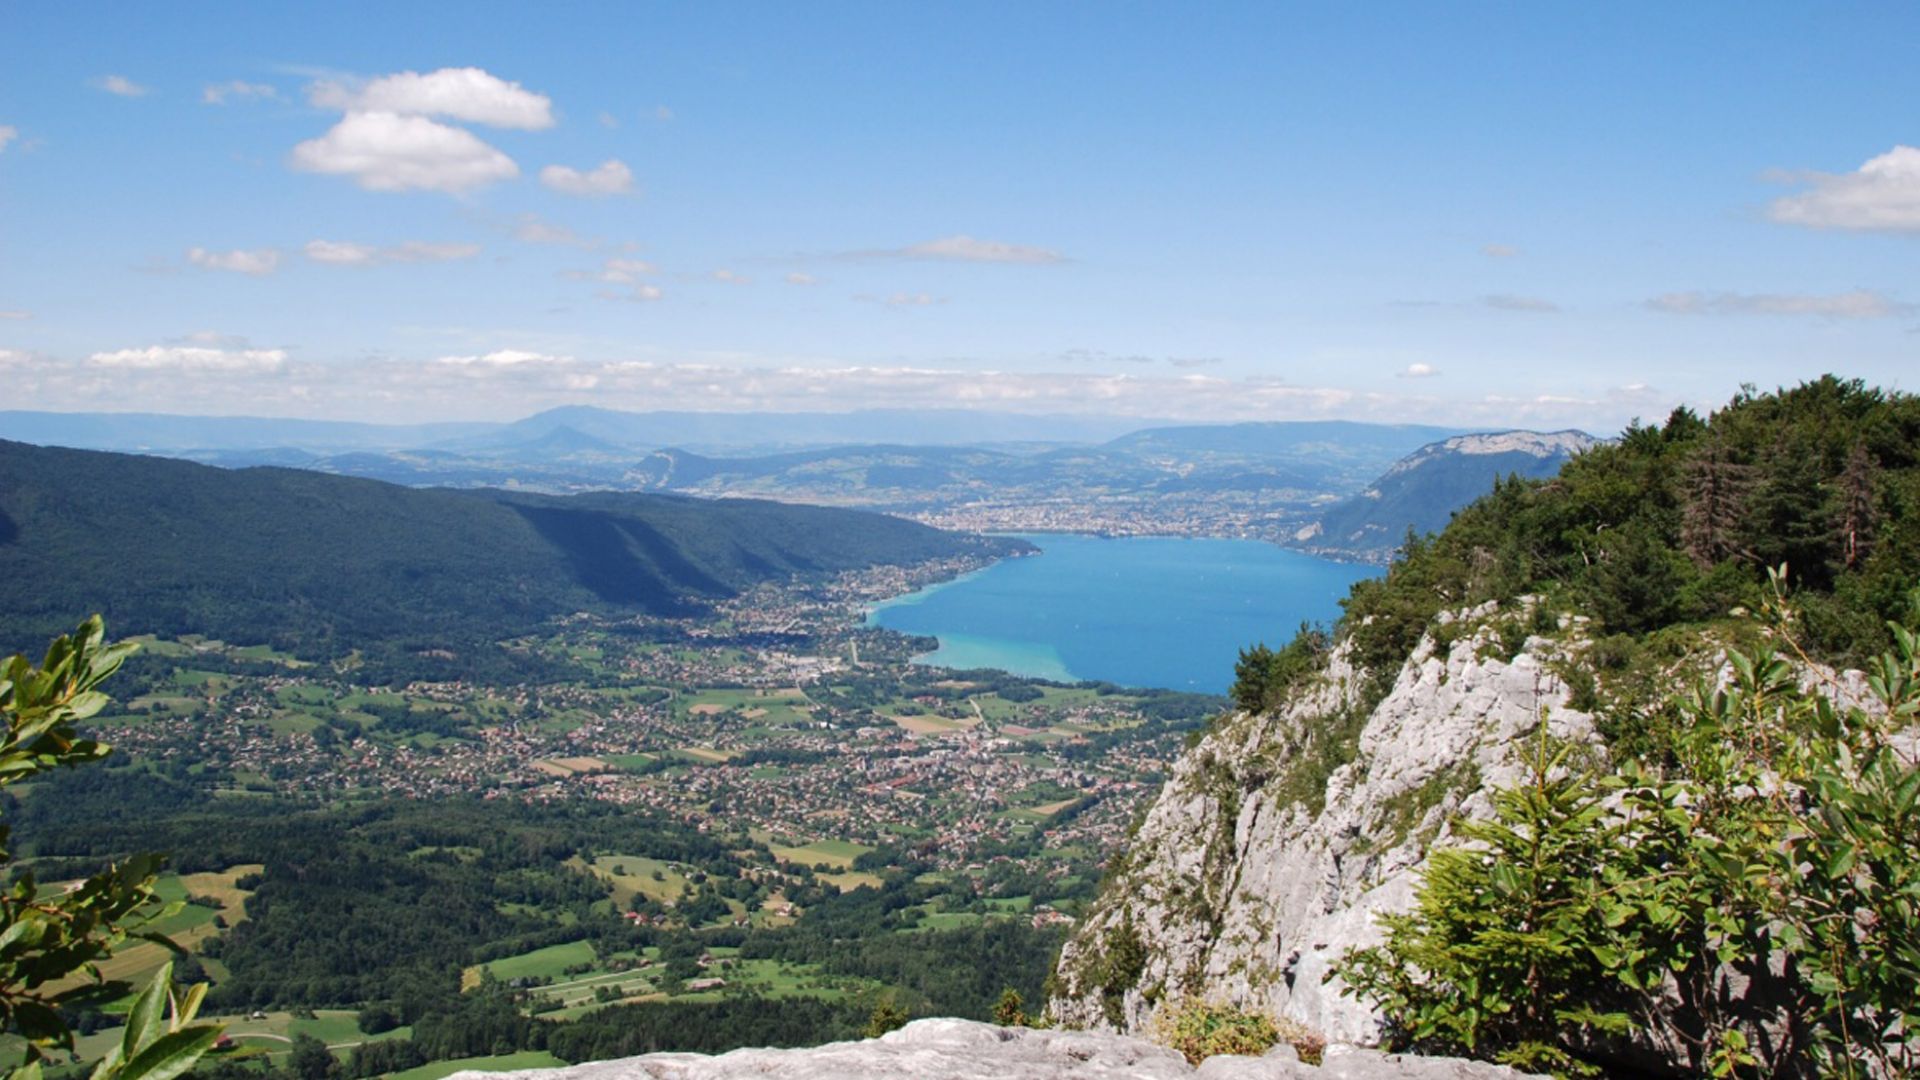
(1254, 909)
(966, 1050)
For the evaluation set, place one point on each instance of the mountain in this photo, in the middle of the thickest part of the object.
(1424, 489)
(156, 433)
(1554, 633)
(1284, 439)
(323, 563)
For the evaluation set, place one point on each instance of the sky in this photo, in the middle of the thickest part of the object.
(1478, 214)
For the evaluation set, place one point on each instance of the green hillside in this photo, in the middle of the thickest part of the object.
(320, 564)
(1678, 522)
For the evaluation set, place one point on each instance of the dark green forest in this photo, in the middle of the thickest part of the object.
(1674, 524)
(319, 565)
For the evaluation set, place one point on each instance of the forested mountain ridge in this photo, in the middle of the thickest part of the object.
(1564, 648)
(322, 564)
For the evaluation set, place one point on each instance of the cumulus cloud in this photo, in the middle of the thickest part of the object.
(192, 358)
(468, 94)
(962, 248)
(393, 135)
(120, 86)
(385, 151)
(1418, 371)
(1499, 251)
(347, 253)
(1882, 195)
(1509, 302)
(237, 90)
(258, 263)
(512, 378)
(8, 133)
(1858, 304)
(610, 177)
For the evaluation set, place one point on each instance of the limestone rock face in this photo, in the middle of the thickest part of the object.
(1268, 855)
(966, 1050)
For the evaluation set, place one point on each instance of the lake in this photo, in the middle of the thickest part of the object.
(1138, 611)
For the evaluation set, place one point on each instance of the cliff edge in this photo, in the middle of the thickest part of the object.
(1279, 837)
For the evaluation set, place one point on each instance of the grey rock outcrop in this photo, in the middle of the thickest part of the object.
(1279, 839)
(966, 1050)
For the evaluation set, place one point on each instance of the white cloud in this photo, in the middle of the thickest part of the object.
(641, 293)
(258, 263)
(614, 272)
(532, 229)
(503, 358)
(730, 278)
(1499, 251)
(237, 90)
(611, 177)
(798, 278)
(1418, 371)
(469, 94)
(8, 133)
(340, 253)
(1508, 302)
(10, 358)
(1858, 304)
(967, 249)
(386, 151)
(120, 86)
(346, 253)
(509, 379)
(903, 299)
(192, 358)
(1881, 195)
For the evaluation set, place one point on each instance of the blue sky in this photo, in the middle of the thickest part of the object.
(1534, 215)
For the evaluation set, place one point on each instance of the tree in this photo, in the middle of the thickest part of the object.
(1010, 1010)
(51, 943)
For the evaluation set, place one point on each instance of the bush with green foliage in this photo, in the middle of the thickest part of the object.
(1749, 897)
(1200, 1030)
(51, 942)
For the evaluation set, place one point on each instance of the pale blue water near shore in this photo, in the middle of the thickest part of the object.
(1139, 611)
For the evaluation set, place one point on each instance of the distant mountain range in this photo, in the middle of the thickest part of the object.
(322, 563)
(1423, 490)
(580, 428)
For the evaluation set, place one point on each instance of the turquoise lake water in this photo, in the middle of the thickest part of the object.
(1138, 611)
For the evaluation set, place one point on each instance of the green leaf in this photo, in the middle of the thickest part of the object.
(172, 1054)
(147, 1019)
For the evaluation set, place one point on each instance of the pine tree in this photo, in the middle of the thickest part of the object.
(1717, 491)
(1856, 513)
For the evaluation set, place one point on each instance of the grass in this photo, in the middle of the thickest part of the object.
(525, 1059)
(548, 963)
(188, 927)
(638, 879)
(835, 853)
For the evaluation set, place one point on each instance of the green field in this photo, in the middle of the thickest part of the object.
(526, 1059)
(548, 963)
(638, 879)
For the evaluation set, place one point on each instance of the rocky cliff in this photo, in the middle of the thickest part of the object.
(965, 1050)
(1279, 838)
